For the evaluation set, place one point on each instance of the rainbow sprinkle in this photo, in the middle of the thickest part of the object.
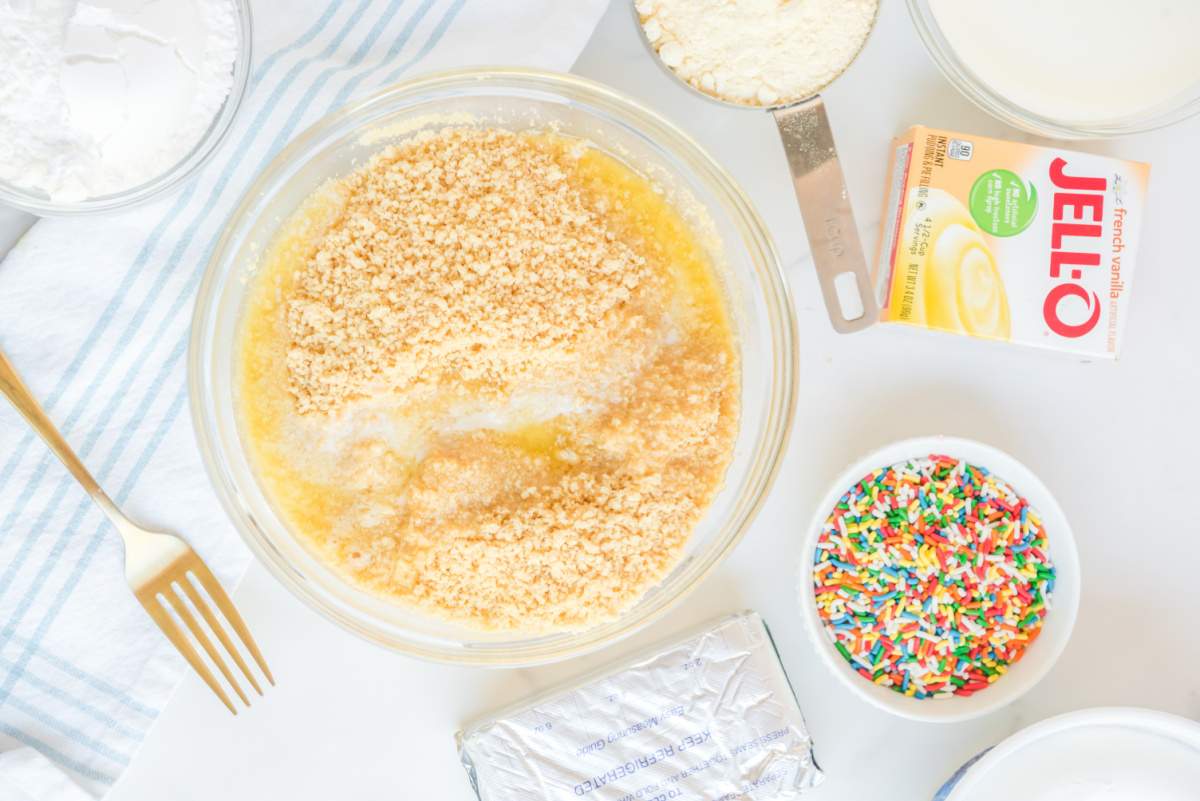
(932, 576)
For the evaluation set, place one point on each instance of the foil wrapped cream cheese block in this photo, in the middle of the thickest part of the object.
(1010, 241)
(711, 716)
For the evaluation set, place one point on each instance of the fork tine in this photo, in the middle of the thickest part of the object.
(213, 587)
(167, 624)
(219, 630)
(193, 625)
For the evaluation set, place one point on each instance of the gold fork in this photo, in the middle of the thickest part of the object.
(159, 567)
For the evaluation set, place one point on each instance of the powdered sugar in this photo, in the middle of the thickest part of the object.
(101, 96)
(758, 52)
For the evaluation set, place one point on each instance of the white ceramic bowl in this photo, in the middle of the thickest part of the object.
(975, 89)
(1119, 752)
(1064, 603)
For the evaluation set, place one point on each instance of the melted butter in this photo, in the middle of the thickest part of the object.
(546, 438)
(643, 215)
(266, 411)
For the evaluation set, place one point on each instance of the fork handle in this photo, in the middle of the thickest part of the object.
(15, 390)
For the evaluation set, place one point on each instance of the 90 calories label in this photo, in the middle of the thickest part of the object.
(1009, 241)
(712, 717)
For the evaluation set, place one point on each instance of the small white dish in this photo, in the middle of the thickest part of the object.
(1064, 603)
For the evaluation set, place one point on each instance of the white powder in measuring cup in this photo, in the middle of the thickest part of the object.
(1078, 60)
(757, 52)
(103, 95)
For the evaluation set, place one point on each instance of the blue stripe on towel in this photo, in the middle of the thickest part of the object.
(54, 755)
(70, 732)
(401, 40)
(63, 666)
(60, 695)
(438, 32)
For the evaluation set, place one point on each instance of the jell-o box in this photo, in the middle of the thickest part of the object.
(1010, 241)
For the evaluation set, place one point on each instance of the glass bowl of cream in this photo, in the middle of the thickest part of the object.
(110, 105)
(1075, 69)
(740, 251)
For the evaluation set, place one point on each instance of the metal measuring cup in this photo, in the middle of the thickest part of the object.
(821, 193)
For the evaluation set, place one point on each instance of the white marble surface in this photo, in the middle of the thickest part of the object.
(1116, 442)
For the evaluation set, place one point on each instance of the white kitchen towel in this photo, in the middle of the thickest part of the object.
(95, 314)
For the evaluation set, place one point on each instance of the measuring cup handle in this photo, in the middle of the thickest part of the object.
(828, 219)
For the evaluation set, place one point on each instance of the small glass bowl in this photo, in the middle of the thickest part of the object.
(39, 203)
(976, 90)
(733, 233)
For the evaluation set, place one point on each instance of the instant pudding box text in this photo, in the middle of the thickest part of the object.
(1008, 241)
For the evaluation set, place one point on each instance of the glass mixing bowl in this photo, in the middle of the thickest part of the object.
(39, 203)
(1176, 109)
(738, 243)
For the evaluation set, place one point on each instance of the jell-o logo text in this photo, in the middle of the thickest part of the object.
(1075, 246)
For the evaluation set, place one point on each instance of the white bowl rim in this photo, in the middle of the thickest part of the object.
(1164, 724)
(1066, 593)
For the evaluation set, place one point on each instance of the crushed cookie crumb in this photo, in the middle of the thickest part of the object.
(465, 257)
(496, 382)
